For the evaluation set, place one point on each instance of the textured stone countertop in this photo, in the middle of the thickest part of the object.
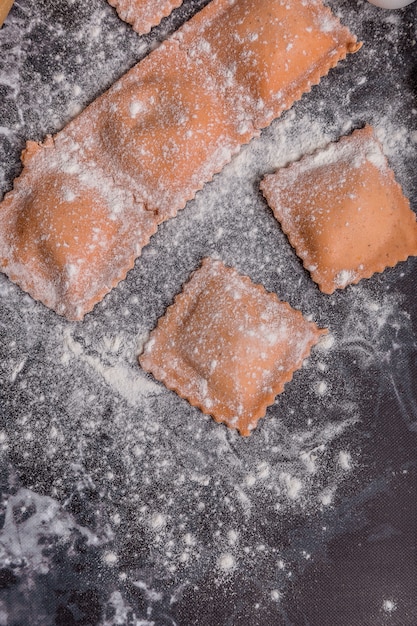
(123, 505)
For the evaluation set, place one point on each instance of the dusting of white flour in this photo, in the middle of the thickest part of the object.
(174, 498)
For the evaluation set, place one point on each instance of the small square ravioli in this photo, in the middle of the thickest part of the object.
(343, 211)
(228, 346)
(144, 14)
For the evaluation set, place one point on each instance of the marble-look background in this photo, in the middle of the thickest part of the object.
(123, 505)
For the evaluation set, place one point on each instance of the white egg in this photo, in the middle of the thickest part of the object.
(391, 4)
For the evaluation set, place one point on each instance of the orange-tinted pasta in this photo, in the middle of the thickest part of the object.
(144, 14)
(228, 346)
(138, 153)
(343, 211)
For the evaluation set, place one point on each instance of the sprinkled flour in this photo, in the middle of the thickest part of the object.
(173, 503)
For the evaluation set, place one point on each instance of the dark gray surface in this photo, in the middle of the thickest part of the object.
(105, 490)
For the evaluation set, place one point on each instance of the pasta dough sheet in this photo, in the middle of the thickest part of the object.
(228, 346)
(90, 198)
(343, 211)
(144, 14)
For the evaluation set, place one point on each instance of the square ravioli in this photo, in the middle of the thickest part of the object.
(343, 211)
(228, 346)
(144, 14)
(91, 197)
